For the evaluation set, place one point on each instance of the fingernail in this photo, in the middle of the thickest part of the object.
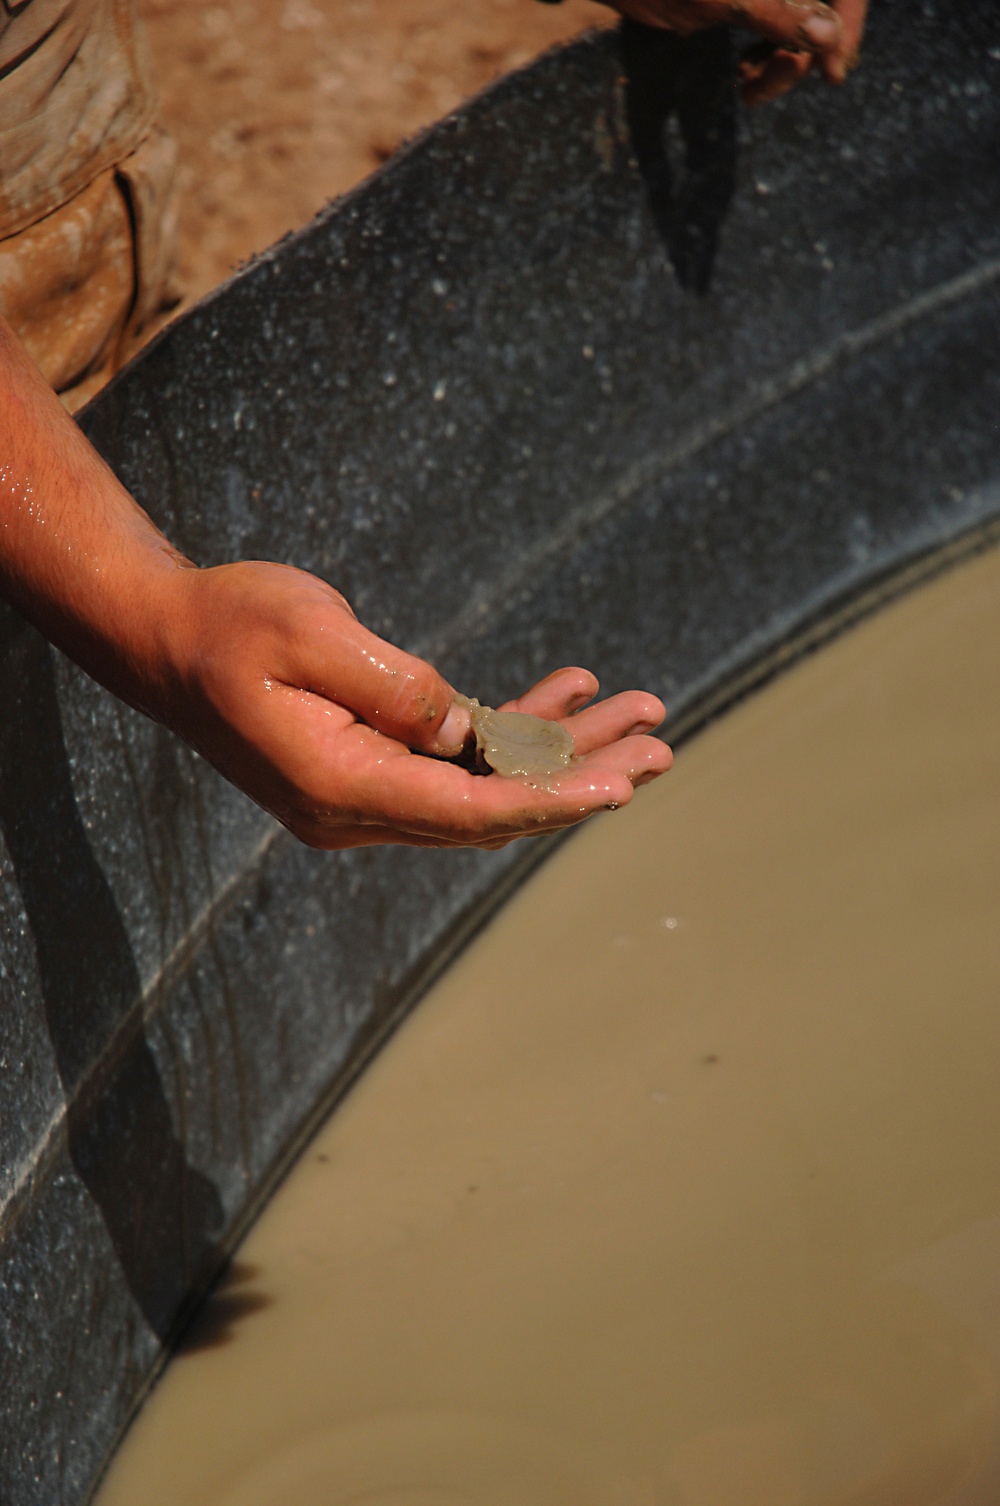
(820, 31)
(454, 730)
(640, 729)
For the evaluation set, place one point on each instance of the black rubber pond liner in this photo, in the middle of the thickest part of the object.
(598, 371)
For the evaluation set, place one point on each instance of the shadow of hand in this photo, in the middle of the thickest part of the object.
(691, 80)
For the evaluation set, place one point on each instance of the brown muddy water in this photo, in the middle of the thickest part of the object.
(682, 1187)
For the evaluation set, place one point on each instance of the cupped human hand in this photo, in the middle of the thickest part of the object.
(796, 36)
(276, 683)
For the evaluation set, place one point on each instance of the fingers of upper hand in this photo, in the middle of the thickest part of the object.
(800, 23)
(831, 33)
(769, 77)
(805, 24)
(852, 15)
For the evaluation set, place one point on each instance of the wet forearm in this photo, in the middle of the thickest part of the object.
(77, 556)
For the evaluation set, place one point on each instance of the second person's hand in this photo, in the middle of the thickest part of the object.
(797, 36)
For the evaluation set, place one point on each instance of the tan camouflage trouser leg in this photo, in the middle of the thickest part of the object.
(79, 286)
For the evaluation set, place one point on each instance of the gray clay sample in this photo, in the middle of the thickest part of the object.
(516, 743)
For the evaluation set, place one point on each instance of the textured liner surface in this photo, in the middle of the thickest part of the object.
(484, 396)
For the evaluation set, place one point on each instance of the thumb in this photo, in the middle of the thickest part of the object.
(387, 688)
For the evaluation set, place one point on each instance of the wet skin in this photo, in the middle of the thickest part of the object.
(265, 669)
(267, 672)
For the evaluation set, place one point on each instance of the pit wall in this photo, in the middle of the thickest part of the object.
(538, 393)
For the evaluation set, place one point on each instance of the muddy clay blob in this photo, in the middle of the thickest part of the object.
(514, 743)
(682, 1186)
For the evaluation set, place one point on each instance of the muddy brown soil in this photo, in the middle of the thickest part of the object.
(278, 106)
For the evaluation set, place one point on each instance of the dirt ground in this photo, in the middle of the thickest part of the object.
(279, 105)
